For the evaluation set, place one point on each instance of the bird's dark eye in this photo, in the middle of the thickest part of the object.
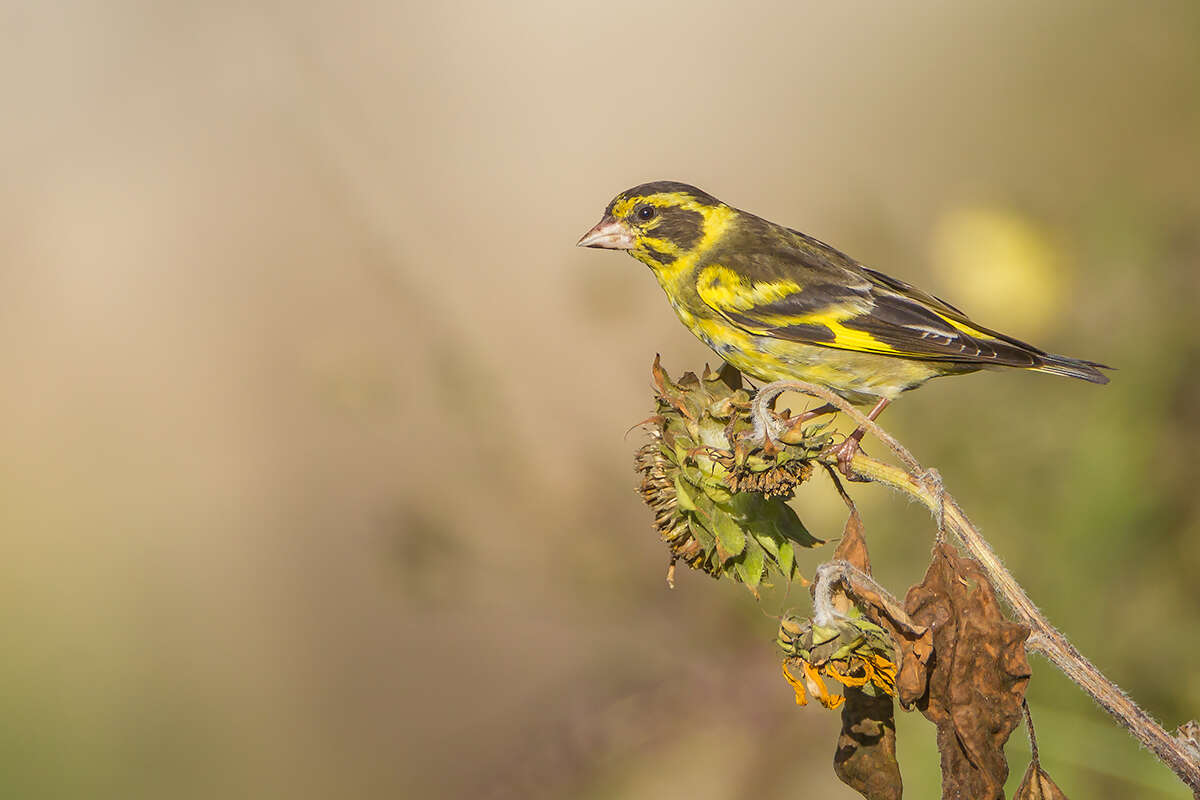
(646, 212)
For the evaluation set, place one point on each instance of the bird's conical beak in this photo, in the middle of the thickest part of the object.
(608, 234)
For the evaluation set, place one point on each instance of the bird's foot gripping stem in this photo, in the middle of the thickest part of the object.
(846, 451)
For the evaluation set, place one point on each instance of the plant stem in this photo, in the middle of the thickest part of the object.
(923, 485)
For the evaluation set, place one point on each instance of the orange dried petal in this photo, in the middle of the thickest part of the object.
(797, 686)
(817, 687)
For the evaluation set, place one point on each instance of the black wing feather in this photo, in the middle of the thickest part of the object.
(894, 313)
(918, 332)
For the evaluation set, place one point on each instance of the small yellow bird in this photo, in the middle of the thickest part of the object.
(781, 305)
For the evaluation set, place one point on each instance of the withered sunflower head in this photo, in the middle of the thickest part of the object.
(718, 504)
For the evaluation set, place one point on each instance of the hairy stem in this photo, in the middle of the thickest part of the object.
(926, 487)
(855, 581)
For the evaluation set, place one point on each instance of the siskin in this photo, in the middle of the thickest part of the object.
(781, 305)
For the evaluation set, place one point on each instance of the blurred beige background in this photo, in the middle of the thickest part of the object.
(314, 476)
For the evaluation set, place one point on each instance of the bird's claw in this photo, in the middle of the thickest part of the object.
(844, 453)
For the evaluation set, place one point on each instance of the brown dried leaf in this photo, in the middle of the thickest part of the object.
(853, 547)
(866, 751)
(915, 644)
(978, 676)
(1036, 785)
(916, 649)
(661, 381)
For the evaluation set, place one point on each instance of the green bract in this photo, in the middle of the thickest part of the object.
(801, 638)
(719, 500)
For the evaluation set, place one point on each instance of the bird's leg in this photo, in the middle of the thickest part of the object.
(846, 450)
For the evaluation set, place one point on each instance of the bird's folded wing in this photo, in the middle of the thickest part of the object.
(870, 316)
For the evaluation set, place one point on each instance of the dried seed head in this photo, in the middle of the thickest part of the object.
(854, 652)
(718, 504)
(777, 480)
(658, 492)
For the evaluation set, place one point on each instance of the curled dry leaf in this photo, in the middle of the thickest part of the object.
(865, 759)
(978, 674)
(866, 749)
(1036, 785)
(914, 642)
(853, 547)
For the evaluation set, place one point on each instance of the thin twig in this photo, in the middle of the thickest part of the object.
(1033, 748)
(1044, 638)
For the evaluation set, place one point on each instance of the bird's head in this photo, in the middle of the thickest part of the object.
(659, 222)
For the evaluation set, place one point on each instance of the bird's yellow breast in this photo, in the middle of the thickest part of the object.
(859, 377)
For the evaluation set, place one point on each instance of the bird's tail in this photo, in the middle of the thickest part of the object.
(1073, 368)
